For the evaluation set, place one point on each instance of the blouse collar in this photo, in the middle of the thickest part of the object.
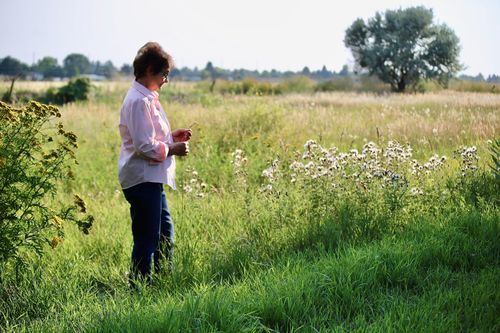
(152, 95)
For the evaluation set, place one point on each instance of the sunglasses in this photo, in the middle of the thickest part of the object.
(165, 75)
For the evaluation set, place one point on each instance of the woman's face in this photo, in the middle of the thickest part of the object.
(156, 81)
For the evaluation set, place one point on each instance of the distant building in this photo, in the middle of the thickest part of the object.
(94, 77)
(34, 76)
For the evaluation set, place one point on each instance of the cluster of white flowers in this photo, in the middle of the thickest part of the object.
(387, 166)
(239, 161)
(372, 162)
(394, 178)
(434, 163)
(371, 150)
(195, 186)
(469, 159)
(270, 174)
(373, 168)
(397, 153)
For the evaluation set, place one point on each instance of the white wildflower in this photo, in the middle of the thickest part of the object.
(416, 191)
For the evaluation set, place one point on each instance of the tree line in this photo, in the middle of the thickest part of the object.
(74, 64)
(77, 64)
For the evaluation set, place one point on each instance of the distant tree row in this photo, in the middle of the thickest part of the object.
(210, 72)
(48, 67)
(480, 78)
(77, 64)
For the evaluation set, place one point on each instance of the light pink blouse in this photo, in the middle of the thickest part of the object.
(146, 134)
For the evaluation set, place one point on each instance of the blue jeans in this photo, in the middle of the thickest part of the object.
(152, 228)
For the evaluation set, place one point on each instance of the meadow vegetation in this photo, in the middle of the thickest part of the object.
(356, 83)
(318, 211)
(77, 89)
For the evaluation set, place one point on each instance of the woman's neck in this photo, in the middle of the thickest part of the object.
(145, 82)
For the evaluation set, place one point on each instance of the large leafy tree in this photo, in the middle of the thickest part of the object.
(12, 67)
(49, 67)
(403, 47)
(76, 64)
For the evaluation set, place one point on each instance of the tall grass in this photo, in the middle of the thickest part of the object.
(296, 259)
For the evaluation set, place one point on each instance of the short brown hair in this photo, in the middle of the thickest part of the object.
(152, 56)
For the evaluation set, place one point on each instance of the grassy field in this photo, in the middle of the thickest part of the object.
(287, 251)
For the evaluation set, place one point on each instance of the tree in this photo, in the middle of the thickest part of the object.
(126, 69)
(107, 69)
(12, 67)
(403, 47)
(209, 67)
(175, 72)
(493, 78)
(15, 69)
(324, 73)
(49, 67)
(76, 64)
(208, 72)
(344, 71)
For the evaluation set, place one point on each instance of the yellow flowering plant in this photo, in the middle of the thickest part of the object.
(35, 154)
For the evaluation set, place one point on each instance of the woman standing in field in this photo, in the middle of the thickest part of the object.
(147, 160)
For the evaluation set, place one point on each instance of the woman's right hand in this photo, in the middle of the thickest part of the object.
(178, 148)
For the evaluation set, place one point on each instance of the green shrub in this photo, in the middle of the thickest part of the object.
(361, 83)
(33, 157)
(477, 186)
(472, 86)
(341, 84)
(76, 90)
(247, 87)
(296, 84)
(21, 96)
(495, 158)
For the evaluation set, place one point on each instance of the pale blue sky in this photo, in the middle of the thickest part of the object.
(257, 34)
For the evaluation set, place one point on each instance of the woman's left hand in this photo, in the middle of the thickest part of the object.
(182, 134)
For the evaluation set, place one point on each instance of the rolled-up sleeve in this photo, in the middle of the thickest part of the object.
(142, 130)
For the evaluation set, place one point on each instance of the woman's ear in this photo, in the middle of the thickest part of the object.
(149, 71)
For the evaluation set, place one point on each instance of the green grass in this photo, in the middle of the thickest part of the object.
(433, 277)
(305, 260)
